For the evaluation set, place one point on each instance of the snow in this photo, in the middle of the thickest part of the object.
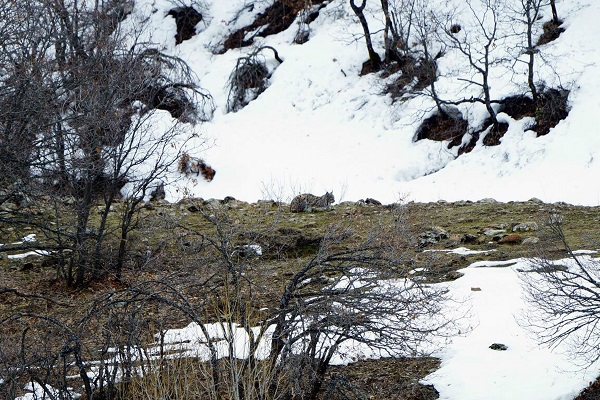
(27, 239)
(470, 370)
(33, 253)
(39, 392)
(320, 126)
(463, 251)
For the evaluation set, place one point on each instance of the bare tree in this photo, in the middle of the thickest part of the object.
(100, 87)
(477, 43)
(342, 294)
(374, 58)
(555, 18)
(565, 299)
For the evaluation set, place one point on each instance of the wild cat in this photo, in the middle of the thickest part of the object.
(309, 202)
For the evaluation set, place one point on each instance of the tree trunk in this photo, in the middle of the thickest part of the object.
(374, 58)
(554, 13)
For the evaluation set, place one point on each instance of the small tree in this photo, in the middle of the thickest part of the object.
(478, 44)
(249, 78)
(565, 299)
(374, 58)
(341, 295)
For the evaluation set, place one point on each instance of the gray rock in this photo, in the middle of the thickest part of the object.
(525, 227)
(499, 347)
(9, 206)
(555, 219)
(531, 240)
(488, 200)
(432, 236)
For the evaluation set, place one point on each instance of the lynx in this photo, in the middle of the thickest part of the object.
(309, 202)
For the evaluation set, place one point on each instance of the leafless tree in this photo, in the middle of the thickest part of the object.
(555, 18)
(478, 43)
(374, 58)
(99, 87)
(342, 294)
(564, 299)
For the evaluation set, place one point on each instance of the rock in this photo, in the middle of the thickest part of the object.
(213, 202)
(511, 239)
(432, 236)
(453, 275)
(525, 227)
(499, 347)
(372, 201)
(27, 266)
(475, 289)
(470, 238)
(531, 240)
(493, 232)
(9, 206)
(267, 203)
(455, 239)
(535, 200)
(158, 193)
(488, 200)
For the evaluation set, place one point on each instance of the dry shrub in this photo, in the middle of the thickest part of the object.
(248, 79)
(518, 106)
(186, 19)
(276, 18)
(179, 378)
(193, 165)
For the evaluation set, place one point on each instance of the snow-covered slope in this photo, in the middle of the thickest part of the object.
(320, 126)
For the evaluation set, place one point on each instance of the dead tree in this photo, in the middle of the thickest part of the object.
(564, 299)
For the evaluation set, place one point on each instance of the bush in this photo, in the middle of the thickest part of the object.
(248, 79)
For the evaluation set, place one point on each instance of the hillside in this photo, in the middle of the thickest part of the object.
(320, 125)
(163, 228)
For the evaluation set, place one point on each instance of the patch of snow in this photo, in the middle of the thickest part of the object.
(585, 252)
(33, 253)
(463, 251)
(470, 370)
(320, 126)
(39, 392)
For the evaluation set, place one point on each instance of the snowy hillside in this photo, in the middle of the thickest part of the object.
(321, 126)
